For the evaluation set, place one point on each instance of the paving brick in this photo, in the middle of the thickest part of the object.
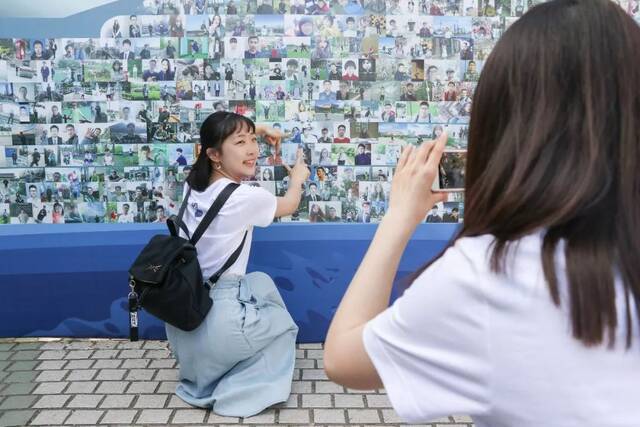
(105, 344)
(151, 401)
(51, 387)
(315, 354)
(82, 375)
(136, 364)
(349, 401)
(107, 364)
(314, 374)
(52, 401)
(143, 387)
(52, 355)
(300, 354)
(17, 388)
(176, 402)
(111, 374)
(130, 344)
(80, 387)
(20, 377)
(301, 386)
(155, 345)
(328, 416)
(15, 418)
(154, 416)
(316, 401)
(166, 375)
(84, 416)
(328, 387)
(6, 346)
(310, 346)
(293, 416)
(119, 416)
(5, 364)
(79, 354)
(111, 387)
(22, 365)
(50, 416)
(162, 363)
(157, 354)
(167, 387)
(53, 346)
(5, 355)
(390, 416)
(357, 416)
(305, 363)
(378, 401)
(140, 374)
(27, 346)
(79, 364)
(131, 354)
(188, 416)
(85, 401)
(105, 354)
(51, 364)
(49, 376)
(219, 419)
(265, 417)
(117, 401)
(17, 402)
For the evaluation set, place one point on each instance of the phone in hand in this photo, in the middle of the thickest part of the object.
(451, 171)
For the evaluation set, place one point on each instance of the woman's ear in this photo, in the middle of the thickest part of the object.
(213, 154)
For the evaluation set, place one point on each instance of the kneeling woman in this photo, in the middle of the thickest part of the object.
(240, 360)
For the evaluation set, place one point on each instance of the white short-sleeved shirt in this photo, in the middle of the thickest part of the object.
(246, 207)
(464, 341)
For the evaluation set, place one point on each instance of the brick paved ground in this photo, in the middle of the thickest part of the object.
(116, 382)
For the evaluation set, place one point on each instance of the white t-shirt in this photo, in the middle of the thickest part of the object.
(462, 340)
(247, 207)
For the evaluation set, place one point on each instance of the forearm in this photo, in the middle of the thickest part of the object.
(370, 289)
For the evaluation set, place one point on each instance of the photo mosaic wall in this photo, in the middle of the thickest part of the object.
(104, 129)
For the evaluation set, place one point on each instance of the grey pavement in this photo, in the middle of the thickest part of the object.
(60, 382)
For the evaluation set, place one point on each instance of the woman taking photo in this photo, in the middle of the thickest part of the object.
(223, 363)
(529, 317)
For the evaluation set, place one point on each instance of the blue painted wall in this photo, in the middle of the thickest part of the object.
(71, 280)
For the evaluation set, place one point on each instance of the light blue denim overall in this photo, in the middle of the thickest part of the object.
(240, 360)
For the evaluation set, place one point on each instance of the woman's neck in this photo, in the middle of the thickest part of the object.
(219, 174)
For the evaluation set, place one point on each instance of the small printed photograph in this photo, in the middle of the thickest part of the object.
(452, 212)
(343, 154)
(21, 213)
(325, 211)
(452, 170)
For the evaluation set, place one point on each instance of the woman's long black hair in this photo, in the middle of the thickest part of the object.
(214, 130)
(554, 145)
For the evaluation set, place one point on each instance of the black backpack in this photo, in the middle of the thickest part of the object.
(166, 280)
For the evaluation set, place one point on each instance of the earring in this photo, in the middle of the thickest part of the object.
(218, 166)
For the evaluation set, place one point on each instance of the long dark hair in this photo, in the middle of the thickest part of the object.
(214, 130)
(554, 145)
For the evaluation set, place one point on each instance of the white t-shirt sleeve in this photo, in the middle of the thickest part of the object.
(255, 205)
(431, 346)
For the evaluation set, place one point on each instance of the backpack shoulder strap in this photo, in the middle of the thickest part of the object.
(213, 211)
(177, 221)
(232, 259)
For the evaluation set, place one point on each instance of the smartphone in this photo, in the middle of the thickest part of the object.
(451, 171)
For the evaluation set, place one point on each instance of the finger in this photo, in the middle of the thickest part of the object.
(423, 154)
(299, 156)
(436, 154)
(406, 151)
